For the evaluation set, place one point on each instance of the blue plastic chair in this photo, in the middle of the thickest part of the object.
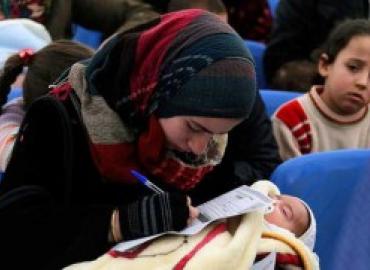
(336, 185)
(88, 37)
(273, 5)
(257, 50)
(14, 93)
(274, 98)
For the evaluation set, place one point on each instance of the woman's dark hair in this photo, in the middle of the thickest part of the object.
(341, 35)
(45, 66)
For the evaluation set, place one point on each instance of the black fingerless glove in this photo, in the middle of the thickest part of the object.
(153, 214)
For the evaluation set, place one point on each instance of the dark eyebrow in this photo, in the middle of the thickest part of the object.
(356, 61)
(200, 127)
(197, 125)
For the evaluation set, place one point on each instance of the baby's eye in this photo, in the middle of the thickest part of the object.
(287, 212)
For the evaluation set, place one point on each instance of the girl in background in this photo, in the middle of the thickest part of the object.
(43, 68)
(333, 115)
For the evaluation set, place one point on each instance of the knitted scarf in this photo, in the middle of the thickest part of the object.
(135, 76)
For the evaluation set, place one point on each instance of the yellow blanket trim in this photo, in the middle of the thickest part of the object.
(298, 248)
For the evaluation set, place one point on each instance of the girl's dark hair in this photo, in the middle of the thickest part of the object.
(44, 68)
(341, 35)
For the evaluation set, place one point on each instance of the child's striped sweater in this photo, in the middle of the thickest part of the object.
(306, 124)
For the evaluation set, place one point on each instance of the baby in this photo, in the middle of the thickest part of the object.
(289, 213)
(292, 214)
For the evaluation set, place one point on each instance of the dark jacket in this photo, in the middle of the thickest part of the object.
(160, 6)
(301, 26)
(100, 15)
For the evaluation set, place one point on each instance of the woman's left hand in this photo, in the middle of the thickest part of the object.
(193, 212)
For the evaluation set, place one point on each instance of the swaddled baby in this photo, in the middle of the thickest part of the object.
(294, 215)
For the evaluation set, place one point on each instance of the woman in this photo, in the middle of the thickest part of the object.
(159, 99)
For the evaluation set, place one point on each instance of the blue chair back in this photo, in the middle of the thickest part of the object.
(88, 37)
(336, 185)
(273, 5)
(14, 93)
(274, 98)
(257, 50)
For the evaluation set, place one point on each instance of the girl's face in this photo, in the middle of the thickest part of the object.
(193, 133)
(347, 79)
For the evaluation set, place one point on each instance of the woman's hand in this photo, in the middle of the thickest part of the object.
(193, 212)
(153, 214)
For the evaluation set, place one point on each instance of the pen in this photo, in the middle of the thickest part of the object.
(146, 182)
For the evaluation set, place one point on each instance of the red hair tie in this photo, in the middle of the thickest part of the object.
(26, 55)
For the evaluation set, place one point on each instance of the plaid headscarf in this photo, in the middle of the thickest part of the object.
(184, 63)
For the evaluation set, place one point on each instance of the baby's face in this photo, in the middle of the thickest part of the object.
(289, 213)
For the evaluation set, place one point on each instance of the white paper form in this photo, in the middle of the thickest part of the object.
(233, 203)
(238, 201)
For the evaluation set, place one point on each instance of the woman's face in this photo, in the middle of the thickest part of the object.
(289, 213)
(193, 133)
